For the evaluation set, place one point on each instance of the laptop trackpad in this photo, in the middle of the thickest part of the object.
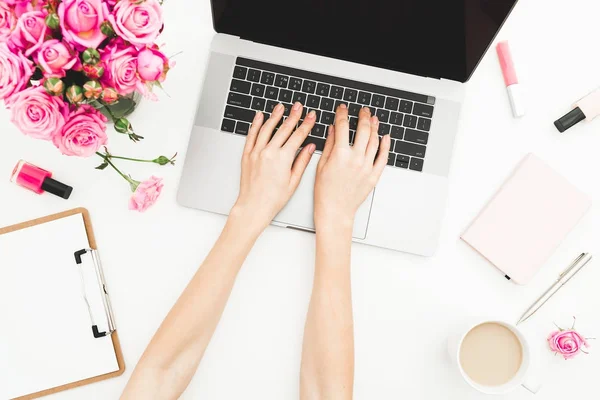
(298, 212)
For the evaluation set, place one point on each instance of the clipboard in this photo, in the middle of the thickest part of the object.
(111, 331)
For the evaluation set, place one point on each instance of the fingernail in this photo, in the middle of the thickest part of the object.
(375, 120)
(343, 106)
(311, 148)
(312, 114)
(279, 107)
(367, 109)
(297, 106)
(257, 116)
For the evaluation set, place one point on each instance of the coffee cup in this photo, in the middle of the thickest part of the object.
(493, 356)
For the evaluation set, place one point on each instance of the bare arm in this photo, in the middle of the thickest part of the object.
(271, 173)
(345, 177)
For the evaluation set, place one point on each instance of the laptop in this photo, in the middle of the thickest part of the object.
(406, 59)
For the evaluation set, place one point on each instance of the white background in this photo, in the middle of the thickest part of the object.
(404, 305)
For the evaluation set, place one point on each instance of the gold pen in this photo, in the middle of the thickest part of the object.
(573, 268)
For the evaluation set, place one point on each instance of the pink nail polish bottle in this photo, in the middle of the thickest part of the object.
(38, 180)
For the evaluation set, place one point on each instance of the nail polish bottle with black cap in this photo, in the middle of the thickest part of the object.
(38, 180)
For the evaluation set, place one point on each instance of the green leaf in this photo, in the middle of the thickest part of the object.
(102, 166)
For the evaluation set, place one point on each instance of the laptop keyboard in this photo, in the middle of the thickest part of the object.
(260, 86)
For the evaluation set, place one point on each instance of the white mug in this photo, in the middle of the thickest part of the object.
(525, 376)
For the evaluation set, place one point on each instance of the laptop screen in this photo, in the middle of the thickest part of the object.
(432, 38)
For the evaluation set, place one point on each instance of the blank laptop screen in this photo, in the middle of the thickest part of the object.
(432, 38)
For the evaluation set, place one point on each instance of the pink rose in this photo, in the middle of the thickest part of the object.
(29, 32)
(120, 67)
(83, 134)
(55, 58)
(15, 2)
(81, 20)
(146, 194)
(567, 343)
(15, 71)
(138, 22)
(152, 65)
(8, 21)
(23, 6)
(37, 114)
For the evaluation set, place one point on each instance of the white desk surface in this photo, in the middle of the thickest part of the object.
(404, 305)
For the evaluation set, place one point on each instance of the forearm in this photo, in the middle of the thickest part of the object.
(328, 353)
(173, 355)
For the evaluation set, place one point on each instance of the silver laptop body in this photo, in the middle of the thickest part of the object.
(405, 211)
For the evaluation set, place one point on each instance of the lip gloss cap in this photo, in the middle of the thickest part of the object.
(514, 89)
(570, 119)
(506, 64)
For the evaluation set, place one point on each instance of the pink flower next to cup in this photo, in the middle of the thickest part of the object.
(567, 343)
(138, 22)
(55, 58)
(37, 114)
(15, 71)
(29, 33)
(146, 194)
(83, 134)
(8, 20)
(120, 68)
(81, 20)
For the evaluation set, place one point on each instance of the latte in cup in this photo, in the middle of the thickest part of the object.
(491, 354)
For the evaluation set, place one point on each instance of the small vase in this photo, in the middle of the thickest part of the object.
(121, 108)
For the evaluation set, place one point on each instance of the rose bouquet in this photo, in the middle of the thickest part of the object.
(68, 66)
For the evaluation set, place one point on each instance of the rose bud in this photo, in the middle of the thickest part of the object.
(162, 160)
(122, 125)
(110, 95)
(90, 56)
(152, 65)
(93, 71)
(54, 86)
(75, 94)
(52, 21)
(107, 29)
(92, 90)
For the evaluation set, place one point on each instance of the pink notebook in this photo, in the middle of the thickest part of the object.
(527, 219)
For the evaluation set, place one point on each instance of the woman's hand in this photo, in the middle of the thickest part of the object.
(271, 171)
(346, 175)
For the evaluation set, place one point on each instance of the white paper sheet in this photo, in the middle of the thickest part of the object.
(45, 328)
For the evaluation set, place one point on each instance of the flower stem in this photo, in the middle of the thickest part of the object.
(110, 112)
(106, 158)
(131, 159)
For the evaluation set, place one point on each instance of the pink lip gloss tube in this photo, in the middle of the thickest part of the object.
(514, 89)
(38, 180)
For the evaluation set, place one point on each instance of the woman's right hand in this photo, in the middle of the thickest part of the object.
(347, 174)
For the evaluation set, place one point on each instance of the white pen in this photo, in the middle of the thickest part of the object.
(565, 277)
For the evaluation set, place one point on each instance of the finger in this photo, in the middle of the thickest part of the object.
(298, 137)
(382, 157)
(253, 132)
(300, 164)
(363, 131)
(288, 127)
(266, 132)
(342, 133)
(373, 144)
(329, 144)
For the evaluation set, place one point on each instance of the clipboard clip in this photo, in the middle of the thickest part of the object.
(98, 333)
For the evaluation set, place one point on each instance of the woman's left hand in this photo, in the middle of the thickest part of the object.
(271, 171)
